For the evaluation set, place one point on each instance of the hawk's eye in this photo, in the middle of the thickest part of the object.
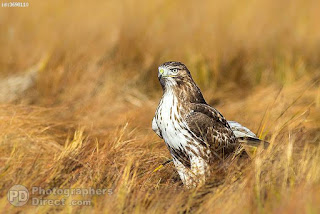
(175, 70)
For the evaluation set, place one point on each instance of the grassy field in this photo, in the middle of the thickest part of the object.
(79, 88)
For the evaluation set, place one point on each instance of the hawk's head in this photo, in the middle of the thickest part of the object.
(176, 76)
(173, 73)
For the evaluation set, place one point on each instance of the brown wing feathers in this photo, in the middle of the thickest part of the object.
(210, 126)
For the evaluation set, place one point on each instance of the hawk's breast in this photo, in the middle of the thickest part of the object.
(170, 122)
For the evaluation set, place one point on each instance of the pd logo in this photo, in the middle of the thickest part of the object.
(18, 195)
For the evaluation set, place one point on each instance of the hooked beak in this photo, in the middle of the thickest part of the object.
(161, 72)
(164, 72)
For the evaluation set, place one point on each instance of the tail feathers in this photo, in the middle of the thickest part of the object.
(252, 141)
(240, 130)
(247, 139)
(251, 144)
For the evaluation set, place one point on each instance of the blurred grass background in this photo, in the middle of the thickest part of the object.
(79, 88)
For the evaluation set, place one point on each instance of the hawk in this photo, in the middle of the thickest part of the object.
(196, 134)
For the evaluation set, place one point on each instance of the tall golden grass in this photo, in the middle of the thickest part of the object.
(86, 120)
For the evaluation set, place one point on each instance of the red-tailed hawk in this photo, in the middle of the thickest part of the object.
(196, 134)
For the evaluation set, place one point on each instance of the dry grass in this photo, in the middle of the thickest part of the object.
(86, 120)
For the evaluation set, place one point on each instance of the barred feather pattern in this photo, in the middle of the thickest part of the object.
(196, 134)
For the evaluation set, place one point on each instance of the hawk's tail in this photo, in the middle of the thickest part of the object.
(252, 141)
(247, 139)
(250, 145)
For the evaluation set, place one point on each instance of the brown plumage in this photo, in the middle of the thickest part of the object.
(196, 134)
